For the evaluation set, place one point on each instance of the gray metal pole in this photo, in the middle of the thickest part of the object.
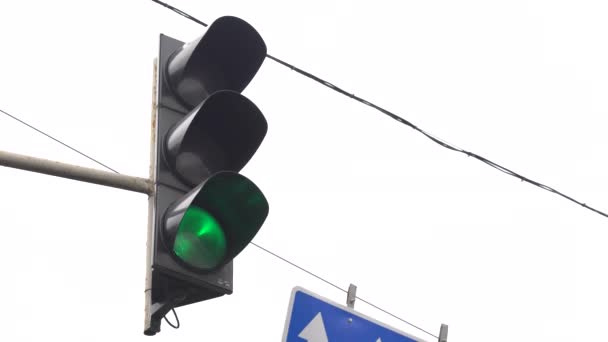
(79, 173)
(152, 197)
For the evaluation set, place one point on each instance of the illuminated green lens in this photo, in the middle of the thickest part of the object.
(200, 240)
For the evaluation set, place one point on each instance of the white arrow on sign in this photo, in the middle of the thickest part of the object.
(315, 330)
(379, 339)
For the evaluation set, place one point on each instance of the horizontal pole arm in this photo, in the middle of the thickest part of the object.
(79, 173)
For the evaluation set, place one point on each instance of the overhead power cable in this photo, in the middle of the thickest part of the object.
(176, 326)
(57, 140)
(180, 12)
(341, 289)
(406, 122)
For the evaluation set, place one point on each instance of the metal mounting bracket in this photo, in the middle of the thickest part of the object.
(443, 333)
(351, 296)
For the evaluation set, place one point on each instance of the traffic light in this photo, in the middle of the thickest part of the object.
(205, 212)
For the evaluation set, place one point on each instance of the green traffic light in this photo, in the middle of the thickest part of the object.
(212, 224)
(200, 240)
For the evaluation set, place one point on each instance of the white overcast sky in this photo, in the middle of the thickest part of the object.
(430, 235)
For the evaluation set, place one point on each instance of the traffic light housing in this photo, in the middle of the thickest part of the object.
(205, 212)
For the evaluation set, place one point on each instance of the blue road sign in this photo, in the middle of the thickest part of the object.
(312, 318)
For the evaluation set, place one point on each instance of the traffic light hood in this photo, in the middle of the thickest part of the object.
(215, 221)
(226, 57)
(222, 133)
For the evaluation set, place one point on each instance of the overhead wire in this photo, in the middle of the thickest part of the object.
(57, 140)
(406, 122)
(180, 12)
(341, 289)
(177, 325)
